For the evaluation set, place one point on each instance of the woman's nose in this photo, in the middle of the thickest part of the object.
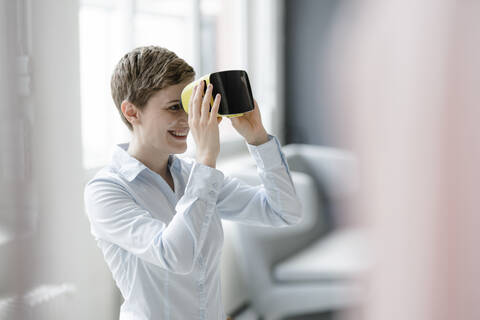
(184, 116)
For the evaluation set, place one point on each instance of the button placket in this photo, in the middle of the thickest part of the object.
(201, 283)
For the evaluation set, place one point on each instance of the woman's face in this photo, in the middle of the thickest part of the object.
(162, 118)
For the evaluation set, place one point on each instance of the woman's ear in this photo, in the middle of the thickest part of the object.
(130, 112)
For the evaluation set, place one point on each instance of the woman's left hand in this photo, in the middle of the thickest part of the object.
(250, 126)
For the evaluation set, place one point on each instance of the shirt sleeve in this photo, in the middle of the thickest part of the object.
(116, 217)
(274, 202)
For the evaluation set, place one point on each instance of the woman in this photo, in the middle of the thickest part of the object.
(156, 216)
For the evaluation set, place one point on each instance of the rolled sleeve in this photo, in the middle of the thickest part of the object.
(269, 156)
(204, 182)
(203, 186)
(275, 202)
(266, 155)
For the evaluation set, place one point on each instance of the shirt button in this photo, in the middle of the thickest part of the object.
(212, 193)
(214, 184)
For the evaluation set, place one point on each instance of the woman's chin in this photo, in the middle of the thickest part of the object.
(181, 149)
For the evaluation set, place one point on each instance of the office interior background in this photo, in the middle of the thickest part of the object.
(380, 96)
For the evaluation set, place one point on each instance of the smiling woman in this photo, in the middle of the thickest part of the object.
(162, 213)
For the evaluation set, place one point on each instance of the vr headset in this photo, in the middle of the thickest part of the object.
(234, 87)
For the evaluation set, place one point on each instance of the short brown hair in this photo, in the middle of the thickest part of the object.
(143, 71)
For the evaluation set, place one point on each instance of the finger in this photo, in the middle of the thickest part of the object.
(197, 100)
(216, 104)
(206, 103)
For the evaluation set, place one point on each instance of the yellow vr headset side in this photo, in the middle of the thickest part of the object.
(234, 88)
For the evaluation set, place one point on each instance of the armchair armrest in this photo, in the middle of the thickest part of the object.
(335, 169)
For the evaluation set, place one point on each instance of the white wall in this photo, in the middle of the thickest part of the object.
(66, 252)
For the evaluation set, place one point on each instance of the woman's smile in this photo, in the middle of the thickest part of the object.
(180, 134)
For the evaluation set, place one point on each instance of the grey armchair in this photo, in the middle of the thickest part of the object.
(309, 267)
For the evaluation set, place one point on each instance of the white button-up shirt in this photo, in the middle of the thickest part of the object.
(162, 246)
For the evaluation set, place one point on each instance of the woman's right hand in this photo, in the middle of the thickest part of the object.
(204, 124)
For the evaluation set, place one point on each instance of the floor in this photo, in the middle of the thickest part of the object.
(319, 316)
(348, 314)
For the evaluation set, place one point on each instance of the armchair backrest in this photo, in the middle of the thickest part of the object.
(318, 174)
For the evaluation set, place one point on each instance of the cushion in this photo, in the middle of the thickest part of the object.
(342, 254)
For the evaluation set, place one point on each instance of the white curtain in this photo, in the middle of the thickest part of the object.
(409, 71)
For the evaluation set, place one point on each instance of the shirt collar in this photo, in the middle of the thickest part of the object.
(129, 167)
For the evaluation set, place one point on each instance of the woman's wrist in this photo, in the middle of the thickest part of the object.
(259, 139)
(208, 162)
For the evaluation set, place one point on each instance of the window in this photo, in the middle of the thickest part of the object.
(200, 31)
